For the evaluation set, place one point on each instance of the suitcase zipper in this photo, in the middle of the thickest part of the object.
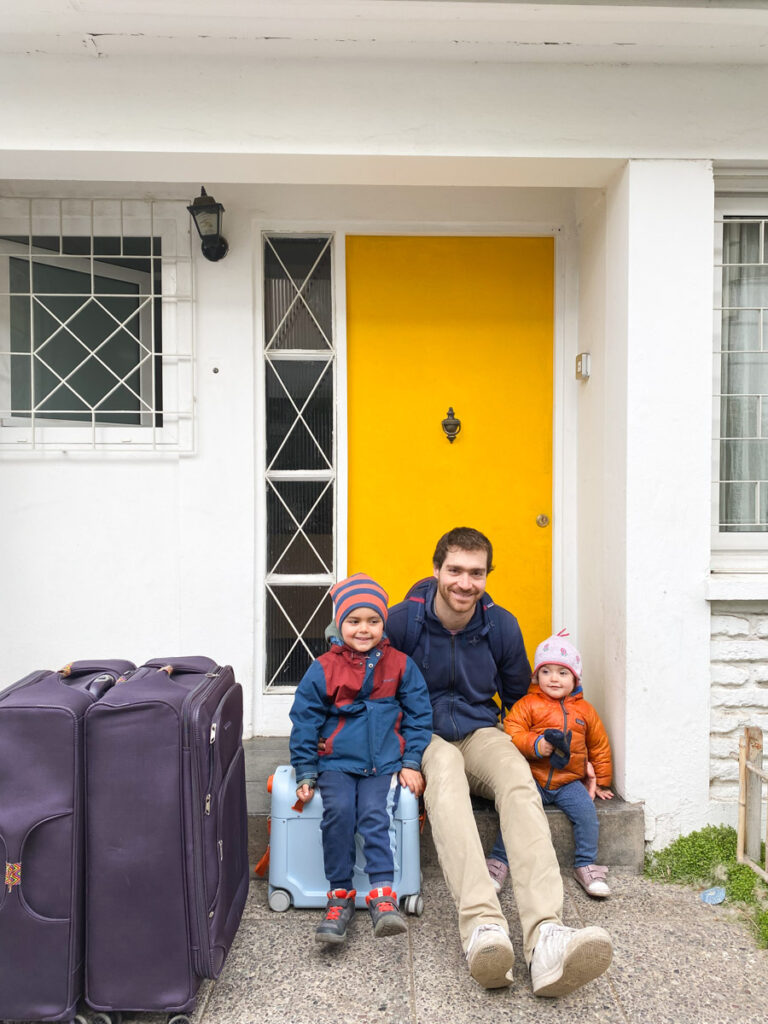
(200, 893)
(211, 742)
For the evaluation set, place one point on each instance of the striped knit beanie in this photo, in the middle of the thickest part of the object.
(558, 650)
(358, 591)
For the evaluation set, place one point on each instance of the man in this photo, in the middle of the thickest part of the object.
(468, 650)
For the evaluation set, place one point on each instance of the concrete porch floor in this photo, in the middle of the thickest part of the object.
(676, 961)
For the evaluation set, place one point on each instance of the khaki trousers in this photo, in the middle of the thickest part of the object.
(488, 764)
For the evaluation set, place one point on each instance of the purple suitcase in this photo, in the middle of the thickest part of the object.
(166, 835)
(41, 837)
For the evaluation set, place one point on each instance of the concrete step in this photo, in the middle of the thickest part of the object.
(622, 826)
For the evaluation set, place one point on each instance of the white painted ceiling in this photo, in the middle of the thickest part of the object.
(652, 31)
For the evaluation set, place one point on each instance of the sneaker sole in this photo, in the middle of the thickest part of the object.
(330, 938)
(589, 955)
(490, 965)
(389, 926)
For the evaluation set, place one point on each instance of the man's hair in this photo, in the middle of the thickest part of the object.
(467, 539)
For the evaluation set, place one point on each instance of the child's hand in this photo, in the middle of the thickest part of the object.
(590, 781)
(603, 793)
(305, 793)
(543, 747)
(409, 778)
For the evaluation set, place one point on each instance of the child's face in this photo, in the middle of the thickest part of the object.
(362, 629)
(556, 681)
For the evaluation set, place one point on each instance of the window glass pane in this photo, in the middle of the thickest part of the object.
(745, 374)
(297, 293)
(740, 417)
(86, 349)
(741, 330)
(299, 427)
(295, 614)
(300, 526)
(741, 241)
(745, 286)
(738, 507)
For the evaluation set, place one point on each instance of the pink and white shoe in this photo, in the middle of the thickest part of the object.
(591, 878)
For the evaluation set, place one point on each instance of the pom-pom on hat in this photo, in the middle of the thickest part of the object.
(558, 650)
(358, 591)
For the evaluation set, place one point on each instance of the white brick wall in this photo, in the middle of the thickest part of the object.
(739, 688)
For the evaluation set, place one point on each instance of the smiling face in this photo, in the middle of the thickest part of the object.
(362, 629)
(556, 681)
(460, 585)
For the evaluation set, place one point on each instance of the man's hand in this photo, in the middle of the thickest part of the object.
(305, 793)
(411, 779)
(603, 793)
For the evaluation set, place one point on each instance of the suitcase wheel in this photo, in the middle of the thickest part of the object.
(79, 1019)
(104, 1017)
(414, 905)
(178, 1018)
(279, 900)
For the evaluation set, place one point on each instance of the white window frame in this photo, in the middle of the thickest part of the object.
(743, 551)
(167, 220)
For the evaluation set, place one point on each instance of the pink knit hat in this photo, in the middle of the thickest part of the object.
(358, 591)
(558, 650)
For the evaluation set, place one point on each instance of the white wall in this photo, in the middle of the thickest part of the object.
(654, 464)
(121, 556)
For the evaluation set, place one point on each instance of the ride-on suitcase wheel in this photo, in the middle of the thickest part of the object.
(279, 900)
(414, 905)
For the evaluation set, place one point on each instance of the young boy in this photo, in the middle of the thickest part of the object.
(361, 720)
(560, 733)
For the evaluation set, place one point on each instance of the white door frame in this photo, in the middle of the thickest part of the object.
(270, 711)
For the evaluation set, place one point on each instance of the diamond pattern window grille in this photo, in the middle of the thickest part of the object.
(96, 340)
(300, 452)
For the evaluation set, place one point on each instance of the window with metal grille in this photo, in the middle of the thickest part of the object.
(95, 325)
(299, 355)
(741, 374)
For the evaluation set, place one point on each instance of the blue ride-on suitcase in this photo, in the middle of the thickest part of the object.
(296, 873)
(41, 837)
(166, 836)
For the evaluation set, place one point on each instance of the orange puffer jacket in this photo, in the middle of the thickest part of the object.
(535, 712)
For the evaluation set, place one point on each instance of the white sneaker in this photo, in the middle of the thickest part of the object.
(490, 956)
(566, 958)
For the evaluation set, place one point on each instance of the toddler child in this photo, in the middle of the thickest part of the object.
(560, 733)
(361, 722)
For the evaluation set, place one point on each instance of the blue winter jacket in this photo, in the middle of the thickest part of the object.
(466, 669)
(371, 710)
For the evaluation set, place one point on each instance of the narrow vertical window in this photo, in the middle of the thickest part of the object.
(299, 357)
(741, 352)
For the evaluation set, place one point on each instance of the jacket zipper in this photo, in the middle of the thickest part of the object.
(453, 684)
(565, 730)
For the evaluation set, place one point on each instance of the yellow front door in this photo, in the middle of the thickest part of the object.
(466, 323)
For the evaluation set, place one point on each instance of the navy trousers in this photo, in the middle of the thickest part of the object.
(364, 804)
(577, 805)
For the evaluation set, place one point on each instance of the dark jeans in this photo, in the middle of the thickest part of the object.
(357, 803)
(574, 801)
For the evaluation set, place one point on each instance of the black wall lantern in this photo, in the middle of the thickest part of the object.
(206, 213)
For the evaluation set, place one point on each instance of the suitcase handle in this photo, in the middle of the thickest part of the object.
(85, 668)
(176, 665)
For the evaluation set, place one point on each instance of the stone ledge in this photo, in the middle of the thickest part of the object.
(622, 825)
